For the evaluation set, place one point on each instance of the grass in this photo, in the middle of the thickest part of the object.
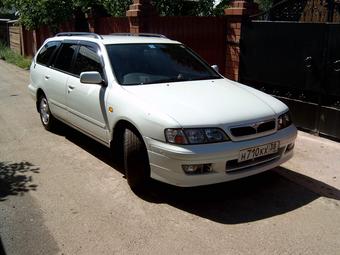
(14, 58)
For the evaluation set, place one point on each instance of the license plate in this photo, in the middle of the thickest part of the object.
(258, 151)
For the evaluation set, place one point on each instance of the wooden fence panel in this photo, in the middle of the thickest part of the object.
(15, 41)
(109, 25)
(42, 33)
(205, 35)
(28, 43)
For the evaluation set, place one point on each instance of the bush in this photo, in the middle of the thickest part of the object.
(14, 58)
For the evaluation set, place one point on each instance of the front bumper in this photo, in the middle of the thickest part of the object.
(166, 160)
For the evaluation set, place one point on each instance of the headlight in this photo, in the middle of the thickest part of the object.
(284, 121)
(195, 135)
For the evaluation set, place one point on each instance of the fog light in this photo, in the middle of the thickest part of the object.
(197, 169)
(290, 147)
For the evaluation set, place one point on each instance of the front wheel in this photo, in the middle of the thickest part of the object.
(136, 162)
(46, 116)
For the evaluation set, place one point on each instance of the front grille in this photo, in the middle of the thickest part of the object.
(242, 131)
(253, 129)
(266, 126)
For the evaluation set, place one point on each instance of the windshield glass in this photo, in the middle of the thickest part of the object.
(136, 64)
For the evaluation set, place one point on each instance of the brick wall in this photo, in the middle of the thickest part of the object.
(236, 14)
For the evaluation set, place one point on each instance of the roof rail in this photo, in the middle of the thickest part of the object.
(140, 34)
(79, 34)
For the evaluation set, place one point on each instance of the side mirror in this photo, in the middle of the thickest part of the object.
(91, 78)
(215, 67)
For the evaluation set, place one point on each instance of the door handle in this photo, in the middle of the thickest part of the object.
(70, 88)
(336, 66)
(47, 77)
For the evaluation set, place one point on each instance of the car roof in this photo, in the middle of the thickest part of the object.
(115, 39)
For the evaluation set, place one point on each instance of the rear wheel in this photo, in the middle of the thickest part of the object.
(46, 116)
(136, 161)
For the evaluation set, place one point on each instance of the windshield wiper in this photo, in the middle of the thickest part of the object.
(178, 79)
(175, 79)
(209, 77)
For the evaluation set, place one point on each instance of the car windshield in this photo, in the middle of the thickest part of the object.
(136, 64)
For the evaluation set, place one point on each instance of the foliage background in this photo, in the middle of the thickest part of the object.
(34, 13)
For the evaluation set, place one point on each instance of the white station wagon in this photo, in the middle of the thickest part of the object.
(161, 107)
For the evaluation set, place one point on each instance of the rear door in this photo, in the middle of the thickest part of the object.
(86, 102)
(57, 76)
(46, 78)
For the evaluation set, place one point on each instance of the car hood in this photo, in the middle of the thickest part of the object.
(208, 102)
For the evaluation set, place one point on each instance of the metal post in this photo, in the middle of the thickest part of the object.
(330, 13)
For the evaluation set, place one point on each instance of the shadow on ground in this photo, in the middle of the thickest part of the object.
(250, 199)
(2, 249)
(96, 149)
(16, 178)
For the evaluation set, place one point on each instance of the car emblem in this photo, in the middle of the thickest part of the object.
(256, 125)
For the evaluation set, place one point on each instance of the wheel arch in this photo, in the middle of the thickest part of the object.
(117, 140)
(40, 92)
(118, 131)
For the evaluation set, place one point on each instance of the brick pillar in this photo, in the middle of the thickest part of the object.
(236, 14)
(140, 14)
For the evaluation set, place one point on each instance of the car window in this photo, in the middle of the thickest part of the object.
(46, 52)
(64, 59)
(87, 60)
(157, 63)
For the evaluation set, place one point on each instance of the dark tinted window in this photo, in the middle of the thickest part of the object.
(157, 63)
(46, 52)
(87, 60)
(64, 59)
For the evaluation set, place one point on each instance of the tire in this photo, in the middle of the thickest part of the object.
(136, 162)
(46, 117)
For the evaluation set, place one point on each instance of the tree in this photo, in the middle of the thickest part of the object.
(4, 12)
(116, 7)
(165, 7)
(219, 8)
(265, 4)
(34, 13)
(80, 8)
(184, 8)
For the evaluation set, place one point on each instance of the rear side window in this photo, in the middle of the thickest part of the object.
(65, 56)
(47, 52)
(87, 60)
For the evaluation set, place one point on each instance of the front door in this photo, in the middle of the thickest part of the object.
(86, 102)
